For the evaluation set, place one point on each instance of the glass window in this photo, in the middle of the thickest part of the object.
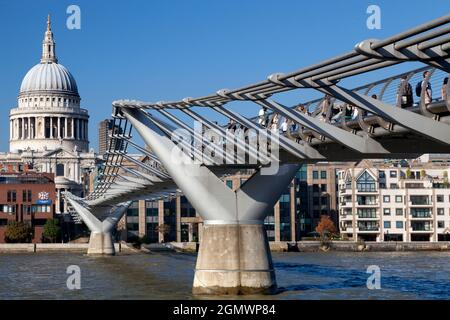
(387, 211)
(387, 224)
(441, 224)
(365, 183)
(387, 199)
(323, 174)
(398, 199)
(367, 213)
(230, 184)
(420, 212)
(399, 212)
(315, 174)
(399, 224)
(393, 174)
(440, 198)
(381, 174)
(323, 187)
(60, 170)
(440, 211)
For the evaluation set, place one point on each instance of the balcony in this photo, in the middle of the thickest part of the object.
(424, 230)
(345, 204)
(368, 229)
(368, 217)
(366, 190)
(421, 217)
(368, 203)
(420, 201)
(425, 226)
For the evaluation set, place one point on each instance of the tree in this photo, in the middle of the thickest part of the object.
(51, 230)
(18, 232)
(326, 227)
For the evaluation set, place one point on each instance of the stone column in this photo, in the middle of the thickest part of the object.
(142, 219)
(23, 128)
(178, 219)
(276, 217)
(200, 231)
(190, 231)
(65, 127)
(58, 128)
(160, 219)
(293, 212)
(51, 127)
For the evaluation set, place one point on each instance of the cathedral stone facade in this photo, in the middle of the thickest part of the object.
(49, 129)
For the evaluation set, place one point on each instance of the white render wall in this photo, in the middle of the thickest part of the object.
(348, 205)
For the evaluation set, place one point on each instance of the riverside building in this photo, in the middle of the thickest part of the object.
(26, 196)
(383, 202)
(311, 193)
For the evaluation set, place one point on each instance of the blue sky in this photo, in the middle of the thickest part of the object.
(168, 50)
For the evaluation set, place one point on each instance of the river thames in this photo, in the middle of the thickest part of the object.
(331, 275)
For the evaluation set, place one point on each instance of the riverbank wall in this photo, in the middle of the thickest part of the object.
(346, 246)
(48, 247)
(300, 246)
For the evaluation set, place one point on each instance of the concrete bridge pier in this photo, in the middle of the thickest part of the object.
(100, 241)
(234, 255)
(234, 259)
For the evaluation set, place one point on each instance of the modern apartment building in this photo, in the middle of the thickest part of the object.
(382, 202)
(312, 193)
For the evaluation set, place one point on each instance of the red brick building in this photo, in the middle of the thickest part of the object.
(26, 196)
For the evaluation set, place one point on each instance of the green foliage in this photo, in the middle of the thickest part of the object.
(408, 174)
(51, 230)
(17, 232)
(423, 173)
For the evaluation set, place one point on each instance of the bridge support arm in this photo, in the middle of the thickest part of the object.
(100, 241)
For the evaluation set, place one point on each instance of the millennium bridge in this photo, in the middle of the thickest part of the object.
(376, 120)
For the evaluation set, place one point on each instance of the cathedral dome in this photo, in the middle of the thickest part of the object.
(49, 77)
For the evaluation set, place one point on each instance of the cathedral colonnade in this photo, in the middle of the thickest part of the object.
(26, 127)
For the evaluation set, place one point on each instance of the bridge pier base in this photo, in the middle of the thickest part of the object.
(234, 259)
(101, 243)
